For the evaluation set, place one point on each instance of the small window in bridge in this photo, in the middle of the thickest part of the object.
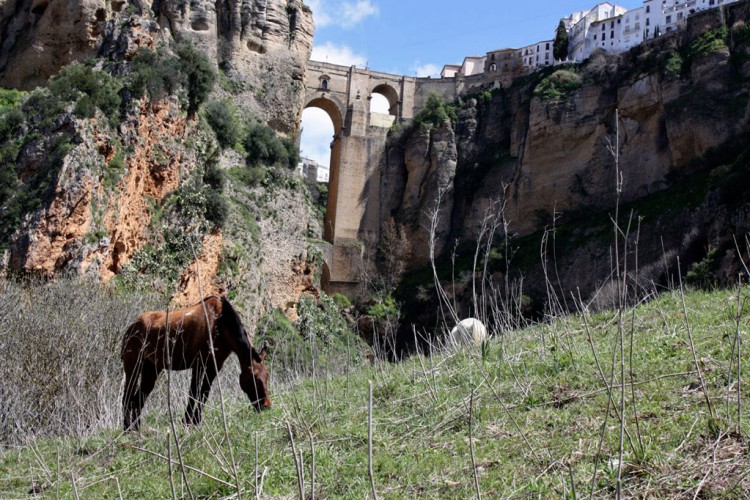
(324, 84)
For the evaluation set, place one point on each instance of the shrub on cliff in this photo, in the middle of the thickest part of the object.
(264, 147)
(222, 116)
(159, 74)
(89, 89)
(558, 85)
(435, 112)
(199, 73)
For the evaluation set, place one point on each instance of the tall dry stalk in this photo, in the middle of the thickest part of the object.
(216, 371)
(369, 445)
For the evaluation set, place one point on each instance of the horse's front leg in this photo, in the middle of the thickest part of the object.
(200, 387)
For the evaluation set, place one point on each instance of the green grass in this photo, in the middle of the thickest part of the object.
(538, 412)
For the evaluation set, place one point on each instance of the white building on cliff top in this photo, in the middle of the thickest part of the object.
(606, 26)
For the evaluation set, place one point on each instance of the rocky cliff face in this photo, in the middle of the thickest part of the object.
(262, 45)
(128, 197)
(677, 103)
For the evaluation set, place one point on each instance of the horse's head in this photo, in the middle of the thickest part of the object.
(254, 381)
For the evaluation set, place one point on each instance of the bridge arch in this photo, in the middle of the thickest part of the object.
(333, 110)
(391, 94)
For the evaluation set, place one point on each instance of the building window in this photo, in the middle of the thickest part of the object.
(612, 34)
(604, 36)
(604, 27)
(648, 8)
(594, 37)
(648, 22)
(669, 19)
(324, 84)
(547, 48)
(612, 24)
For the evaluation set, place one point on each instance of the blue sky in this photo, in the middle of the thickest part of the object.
(418, 37)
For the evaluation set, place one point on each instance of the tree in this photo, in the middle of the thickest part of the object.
(560, 47)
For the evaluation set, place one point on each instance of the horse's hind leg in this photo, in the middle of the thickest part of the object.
(129, 412)
(135, 396)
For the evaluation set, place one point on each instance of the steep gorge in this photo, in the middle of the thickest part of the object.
(541, 149)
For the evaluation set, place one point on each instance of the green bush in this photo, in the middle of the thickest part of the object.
(341, 301)
(199, 73)
(708, 42)
(160, 74)
(264, 147)
(217, 207)
(249, 175)
(9, 98)
(99, 89)
(558, 85)
(155, 73)
(20, 199)
(384, 308)
(222, 116)
(435, 112)
(673, 66)
(701, 273)
(214, 176)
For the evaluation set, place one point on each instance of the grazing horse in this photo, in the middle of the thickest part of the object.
(466, 332)
(181, 340)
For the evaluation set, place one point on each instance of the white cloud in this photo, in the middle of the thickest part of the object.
(429, 69)
(354, 13)
(317, 134)
(320, 16)
(337, 54)
(344, 14)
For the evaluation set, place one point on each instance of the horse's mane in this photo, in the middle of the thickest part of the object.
(232, 324)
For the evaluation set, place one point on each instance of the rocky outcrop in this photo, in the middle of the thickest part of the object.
(262, 45)
(669, 109)
(61, 235)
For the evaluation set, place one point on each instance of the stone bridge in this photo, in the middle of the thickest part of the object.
(357, 153)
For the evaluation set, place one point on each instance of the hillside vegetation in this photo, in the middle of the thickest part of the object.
(528, 413)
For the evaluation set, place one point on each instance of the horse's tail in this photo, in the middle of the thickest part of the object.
(131, 332)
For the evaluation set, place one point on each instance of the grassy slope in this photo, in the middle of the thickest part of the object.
(538, 414)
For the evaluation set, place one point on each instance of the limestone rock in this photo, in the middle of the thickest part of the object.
(263, 44)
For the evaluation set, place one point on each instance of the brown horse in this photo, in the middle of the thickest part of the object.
(179, 340)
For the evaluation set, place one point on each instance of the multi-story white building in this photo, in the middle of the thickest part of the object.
(606, 26)
(537, 55)
(450, 70)
(312, 170)
(581, 37)
(472, 65)
(633, 28)
(664, 16)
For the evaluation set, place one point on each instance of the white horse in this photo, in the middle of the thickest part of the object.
(467, 332)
